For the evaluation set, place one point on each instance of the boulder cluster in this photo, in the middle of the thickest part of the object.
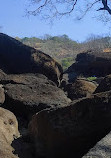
(44, 115)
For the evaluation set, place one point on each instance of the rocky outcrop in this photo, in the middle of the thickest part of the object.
(91, 63)
(80, 88)
(105, 84)
(18, 58)
(8, 131)
(71, 131)
(59, 127)
(27, 94)
(102, 149)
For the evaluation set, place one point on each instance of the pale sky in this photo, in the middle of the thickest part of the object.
(15, 23)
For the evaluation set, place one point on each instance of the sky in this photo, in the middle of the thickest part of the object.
(14, 22)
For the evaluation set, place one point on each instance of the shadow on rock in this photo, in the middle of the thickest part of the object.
(23, 148)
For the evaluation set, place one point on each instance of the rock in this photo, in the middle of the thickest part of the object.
(17, 58)
(24, 148)
(2, 94)
(102, 149)
(28, 94)
(8, 131)
(8, 125)
(25, 79)
(105, 85)
(80, 88)
(98, 80)
(71, 131)
(91, 63)
(69, 76)
(2, 74)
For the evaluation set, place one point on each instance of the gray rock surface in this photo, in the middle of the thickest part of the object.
(2, 94)
(8, 131)
(80, 88)
(102, 149)
(29, 93)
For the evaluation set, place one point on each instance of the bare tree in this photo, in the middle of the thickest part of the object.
(59, 8)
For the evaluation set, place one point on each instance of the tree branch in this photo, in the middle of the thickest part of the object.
(38, 10)
(53, 8)
(88, 8)
(105, 6)
(71, 9)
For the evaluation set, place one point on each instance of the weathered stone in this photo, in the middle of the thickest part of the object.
(8, 131)
(71, 131)
(16, 57)
(80, 88)
(102, 149)
(2, 94)
(29, 94)
(91, 63)
(25, 79)
(8, 125)
(105, 85)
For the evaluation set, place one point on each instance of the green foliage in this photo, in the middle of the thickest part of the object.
(58, 47)
(31, 41)
(66, 62)
(91, 78)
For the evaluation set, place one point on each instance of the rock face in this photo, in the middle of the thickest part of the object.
(18, 58)
(28, 94)
(80, 88)
(105, 85)
(91, 63)
(71, 131)
(102, 149)
(2, 94)
(8, 131)
(8, 125)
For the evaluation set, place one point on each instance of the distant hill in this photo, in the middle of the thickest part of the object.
(65, 50)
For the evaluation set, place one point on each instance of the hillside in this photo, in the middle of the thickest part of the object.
(63, 49)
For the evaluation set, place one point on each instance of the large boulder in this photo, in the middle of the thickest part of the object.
(91, 63)
(8, 131)
(27, 94)
(80, 88)
(16, 57)
(71, 131)
(105, 84)
(8, 125)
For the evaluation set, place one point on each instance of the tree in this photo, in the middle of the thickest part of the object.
(59, 8)
(97, 42)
